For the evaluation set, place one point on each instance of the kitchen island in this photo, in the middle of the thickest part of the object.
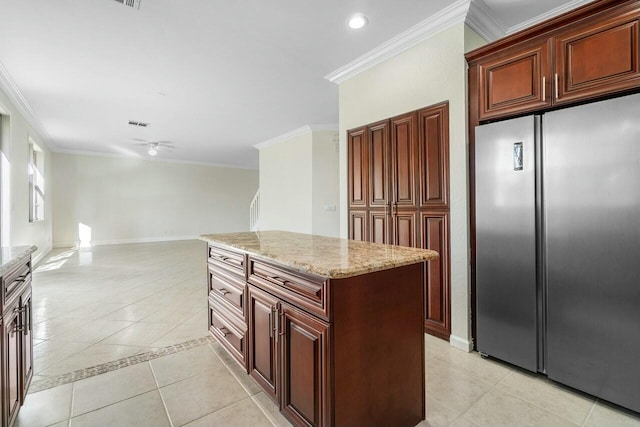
(332, 329)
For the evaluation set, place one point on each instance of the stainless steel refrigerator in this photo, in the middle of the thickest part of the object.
(558, 246)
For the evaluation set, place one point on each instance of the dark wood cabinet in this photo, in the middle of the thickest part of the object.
(404, 148)
(358, 225)
(515, 81)
(17, 341)
(590, 52)
(26, 328)
(379, 164)
(263, 339)
(407, 159)
(11, 364)
(358, 168)
(379, 227)
(433, 154)
(331, 351)
(305, 367)
(598, 56)
(435, 233)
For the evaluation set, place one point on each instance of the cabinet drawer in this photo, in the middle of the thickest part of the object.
(230, 335)
(305, 291)
(228, 258)
(14, 281)
(228, 286)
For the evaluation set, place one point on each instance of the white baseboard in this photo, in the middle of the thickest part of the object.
(42, 253)
(460, 343)
(126, 241)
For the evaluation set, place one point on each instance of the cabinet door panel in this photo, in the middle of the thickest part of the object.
(434, 156)
(27, 343)
(379, 227)
(11, 366)
(305, 368)
(513, 82)
(358, 226)
(599, 57)
(263, 355)
(405, 229)
(404, 144)
(435, 235)
(379, 164)
(358, 167)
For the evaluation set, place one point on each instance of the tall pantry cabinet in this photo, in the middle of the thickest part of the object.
(398, 180)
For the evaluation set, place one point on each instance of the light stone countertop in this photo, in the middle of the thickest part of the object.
(323, 256)
(10, 257)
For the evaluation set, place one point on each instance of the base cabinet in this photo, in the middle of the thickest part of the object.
(11, 365)
(306, 333)
(17, 340)
(305, 365)
(263, 338)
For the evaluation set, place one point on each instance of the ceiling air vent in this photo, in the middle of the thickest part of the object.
(141, 124)
(131, 3)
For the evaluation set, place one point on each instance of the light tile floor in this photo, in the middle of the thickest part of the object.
(203, 386)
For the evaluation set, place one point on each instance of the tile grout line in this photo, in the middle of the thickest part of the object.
(164, 404)
(538, 406)
(251, 396)
(73, 398)
(463, 415)
(593, 407)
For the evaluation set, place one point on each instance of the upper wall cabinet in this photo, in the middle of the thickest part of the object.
(515, 80)
(587, 53)
(598, 56)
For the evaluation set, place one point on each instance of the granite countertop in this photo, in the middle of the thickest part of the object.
(12, 255)
(324, 256)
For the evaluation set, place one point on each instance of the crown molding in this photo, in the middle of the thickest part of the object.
(481, 20)
(148, 159)
(547, 15)
(11, 89)
(296, 132)
(447, 17)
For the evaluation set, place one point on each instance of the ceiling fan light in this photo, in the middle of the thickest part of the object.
(152, 151)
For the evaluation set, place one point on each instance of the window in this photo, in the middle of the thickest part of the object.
(36, 182)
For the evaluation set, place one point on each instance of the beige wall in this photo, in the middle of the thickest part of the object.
(428, 73)
(299, 184)
(125, 200)
(285, 185)
(326, 184)
(16, 228)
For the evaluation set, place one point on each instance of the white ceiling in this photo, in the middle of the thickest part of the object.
(213, 77)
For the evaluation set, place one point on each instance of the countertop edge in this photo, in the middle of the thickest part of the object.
(326, 273)
(17, 254)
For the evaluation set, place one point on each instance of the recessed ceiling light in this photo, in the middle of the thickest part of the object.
(357, 21)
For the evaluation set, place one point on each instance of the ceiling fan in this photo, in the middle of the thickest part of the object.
(155, 146)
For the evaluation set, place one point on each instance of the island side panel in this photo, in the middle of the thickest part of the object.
(378, 335)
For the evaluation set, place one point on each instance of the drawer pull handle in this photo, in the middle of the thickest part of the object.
(224, 331)
(20, 309)
(223, 291)
(279, 280)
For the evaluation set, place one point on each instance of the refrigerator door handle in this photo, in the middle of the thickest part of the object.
(518, 161)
